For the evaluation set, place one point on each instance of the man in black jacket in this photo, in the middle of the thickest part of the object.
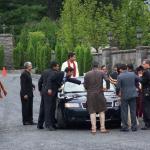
(53, 84)
(46, 101)
(26, 94)
(146, 93)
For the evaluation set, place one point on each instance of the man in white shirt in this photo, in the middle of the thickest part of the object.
(71, 62)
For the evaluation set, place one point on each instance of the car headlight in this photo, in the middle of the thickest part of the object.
(116, 104)
(72, 105)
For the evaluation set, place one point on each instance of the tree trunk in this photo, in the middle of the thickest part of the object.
(54, 7)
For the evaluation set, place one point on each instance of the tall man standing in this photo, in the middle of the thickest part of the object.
(146, 93)
(53, 84)
(45, 115)
(26, 94)
(71, 62)
(96, 102)
(127, 90)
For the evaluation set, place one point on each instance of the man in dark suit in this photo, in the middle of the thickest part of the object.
(127, 82)
(146, 94)
(53, 84)
(44, 114)
(26, 94)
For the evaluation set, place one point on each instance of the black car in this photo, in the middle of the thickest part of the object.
(71, 105)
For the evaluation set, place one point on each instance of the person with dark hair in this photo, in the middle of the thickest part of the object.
(139, 111)
(130, 67)
(104, 69)
(51, 87)
(26, 94)
(44, 113)
(113, 75)
(126, 83)
(71, 62)
(96, 102)
(146, 93)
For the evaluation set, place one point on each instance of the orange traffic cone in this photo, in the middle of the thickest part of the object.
(4, 72)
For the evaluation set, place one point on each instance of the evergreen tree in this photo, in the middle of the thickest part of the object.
(80, 55)
(87, 59)
(17, 55)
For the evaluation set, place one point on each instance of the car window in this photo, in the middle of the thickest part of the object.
(71, 87)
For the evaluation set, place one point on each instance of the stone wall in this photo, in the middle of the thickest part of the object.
(112, 56)
(7, 41)
(123, 56)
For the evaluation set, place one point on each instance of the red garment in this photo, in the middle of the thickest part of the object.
(74, 67)
(139, 105)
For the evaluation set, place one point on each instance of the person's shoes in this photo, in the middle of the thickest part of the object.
(134, 129)
(124, 129)
(50, 128)
(26, 123)
(93, 131)
(40, 127)
(145, 128)
(33, 123)
(29, 123)
(55, 126)
(104, 130)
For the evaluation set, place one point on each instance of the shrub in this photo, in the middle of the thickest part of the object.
(35, 38)
(80, 55)
(87, 59)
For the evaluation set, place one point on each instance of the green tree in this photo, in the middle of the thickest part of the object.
(43, 57)
(49, 28)
(79, 50)
(87, 59)
(125, 21)
(83, 23)
(17, 56)
(68, 23)
(58, 52)
(35, 38)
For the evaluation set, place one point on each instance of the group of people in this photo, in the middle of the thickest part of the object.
(132, 86)
(49, 83)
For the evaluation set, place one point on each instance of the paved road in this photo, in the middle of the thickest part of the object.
(15, 136)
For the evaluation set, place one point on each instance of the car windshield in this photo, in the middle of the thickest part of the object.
(71, 87)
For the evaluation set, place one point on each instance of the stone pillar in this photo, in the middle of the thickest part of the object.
(7, 41)
(141, 53)
(53, 55)
(107, 56)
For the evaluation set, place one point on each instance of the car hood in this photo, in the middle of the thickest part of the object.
(82, 97)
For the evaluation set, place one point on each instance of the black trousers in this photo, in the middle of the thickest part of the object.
(47, 110)
(146, 110)
(124, 112)
(27, 109)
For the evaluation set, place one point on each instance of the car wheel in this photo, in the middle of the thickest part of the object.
(60, 119)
